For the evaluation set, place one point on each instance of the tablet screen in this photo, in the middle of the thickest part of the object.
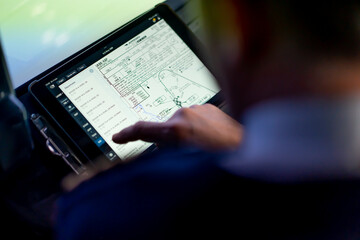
(146, 74)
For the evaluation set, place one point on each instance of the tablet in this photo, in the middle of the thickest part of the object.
(145, 70)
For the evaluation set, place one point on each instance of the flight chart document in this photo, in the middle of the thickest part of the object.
(148, 78)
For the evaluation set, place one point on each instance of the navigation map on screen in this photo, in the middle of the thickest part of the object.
(147, 78)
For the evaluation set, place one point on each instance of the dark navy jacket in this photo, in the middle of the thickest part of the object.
(185, 194)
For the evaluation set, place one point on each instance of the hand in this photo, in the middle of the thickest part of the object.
(204, 126)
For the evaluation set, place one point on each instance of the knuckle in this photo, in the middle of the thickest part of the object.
(183, 112)
(187, 111)
(195, 106)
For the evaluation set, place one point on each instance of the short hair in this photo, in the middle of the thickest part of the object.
(328, 26)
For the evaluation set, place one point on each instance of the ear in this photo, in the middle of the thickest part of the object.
(236, 30)
(222, 33)
(253, 24)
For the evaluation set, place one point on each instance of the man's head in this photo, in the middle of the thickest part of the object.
(265, 49)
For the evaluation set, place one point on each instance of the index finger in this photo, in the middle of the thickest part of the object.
(146, 131)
